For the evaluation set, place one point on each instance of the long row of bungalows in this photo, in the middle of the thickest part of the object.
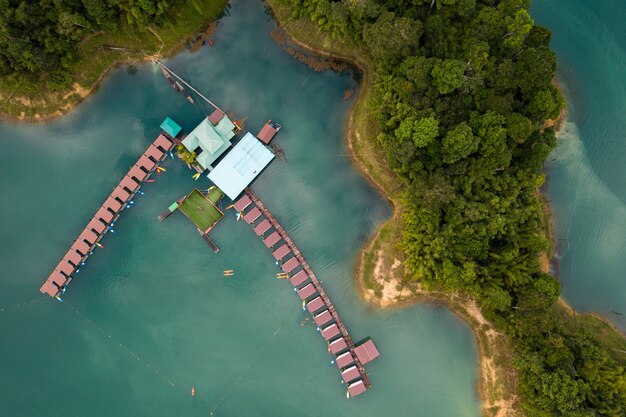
(349, 359)
(106, 215)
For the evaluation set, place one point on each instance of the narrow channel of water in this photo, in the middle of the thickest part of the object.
(151, 314)
(586, 186)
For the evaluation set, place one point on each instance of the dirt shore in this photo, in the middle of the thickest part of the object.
(497, 378)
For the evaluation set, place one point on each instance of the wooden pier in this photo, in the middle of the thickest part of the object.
(256, 204)
(102, 222)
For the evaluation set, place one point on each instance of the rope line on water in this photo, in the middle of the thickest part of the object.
(126, 348)
(23, 303)
(240, 377)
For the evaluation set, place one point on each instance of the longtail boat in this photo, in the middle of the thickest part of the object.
(185, 92)
(169, 78)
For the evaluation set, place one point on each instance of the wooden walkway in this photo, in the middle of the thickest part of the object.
(318, 286)
(121, 198)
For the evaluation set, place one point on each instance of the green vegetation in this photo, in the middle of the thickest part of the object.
(200, 210)
(215, 194)
(462, 90)
(185, 155)
(52, 53)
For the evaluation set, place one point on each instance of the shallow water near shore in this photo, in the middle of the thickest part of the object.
(587, 171)
(151, 314)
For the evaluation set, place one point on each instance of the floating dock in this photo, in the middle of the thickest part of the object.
(349, 357)
(107, 214)
(268, 132)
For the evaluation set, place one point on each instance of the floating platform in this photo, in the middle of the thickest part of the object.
(201, 211)
(268, 132)
(349, 357)
(120, 199)
(210, 242)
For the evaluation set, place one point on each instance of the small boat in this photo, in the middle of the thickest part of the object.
(193, 391)
(210, 42)
(149, 180)
(185, 92)
(169, 78)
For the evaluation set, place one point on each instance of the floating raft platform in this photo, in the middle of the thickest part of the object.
(171, 209)
(120, 199)
(349, 357)
(268, 132)
(208, 240)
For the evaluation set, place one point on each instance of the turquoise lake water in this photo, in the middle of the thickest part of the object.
(151, 314)
(587, 172)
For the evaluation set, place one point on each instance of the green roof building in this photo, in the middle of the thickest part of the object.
(210, 139)
(170, 127)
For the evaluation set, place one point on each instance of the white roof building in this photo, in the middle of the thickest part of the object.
(241, 166)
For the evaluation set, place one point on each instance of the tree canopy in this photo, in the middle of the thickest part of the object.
(38, 38)
(462, 91)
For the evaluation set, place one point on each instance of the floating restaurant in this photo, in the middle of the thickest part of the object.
(233, 163)
(210, 139)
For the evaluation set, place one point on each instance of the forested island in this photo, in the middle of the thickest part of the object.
(462, 101)
(457, 96)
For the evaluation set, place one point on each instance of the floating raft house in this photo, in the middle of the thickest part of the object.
(268, 132)
(349, 357)
(120, 198)
(210, 139)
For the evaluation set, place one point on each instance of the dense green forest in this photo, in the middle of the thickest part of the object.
(462, 92)
(39, 38)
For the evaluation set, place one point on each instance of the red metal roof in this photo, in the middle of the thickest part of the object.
(306, 291)
(138, 173)
(272, 239)
(66, 268)
(330, 331)
(129, 183)
(96, 225)
(299, 278)
(262, 227)
(216, 116)
(323, 318)
(315, 304)
(337, 346)
(49, 288)
(242, 203)
(113, 204)
(356, 388)
(146, 162)
(89, 236)
(57, 278)
(344, 360)
(105, 215)
(252, 215)
(281, 252)
(290, 265)
(163, 142)
(367, 352)
(266, 134)
(73, 257)
(154, 152)
(350, 374)
(121, 193)
(80, 246)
